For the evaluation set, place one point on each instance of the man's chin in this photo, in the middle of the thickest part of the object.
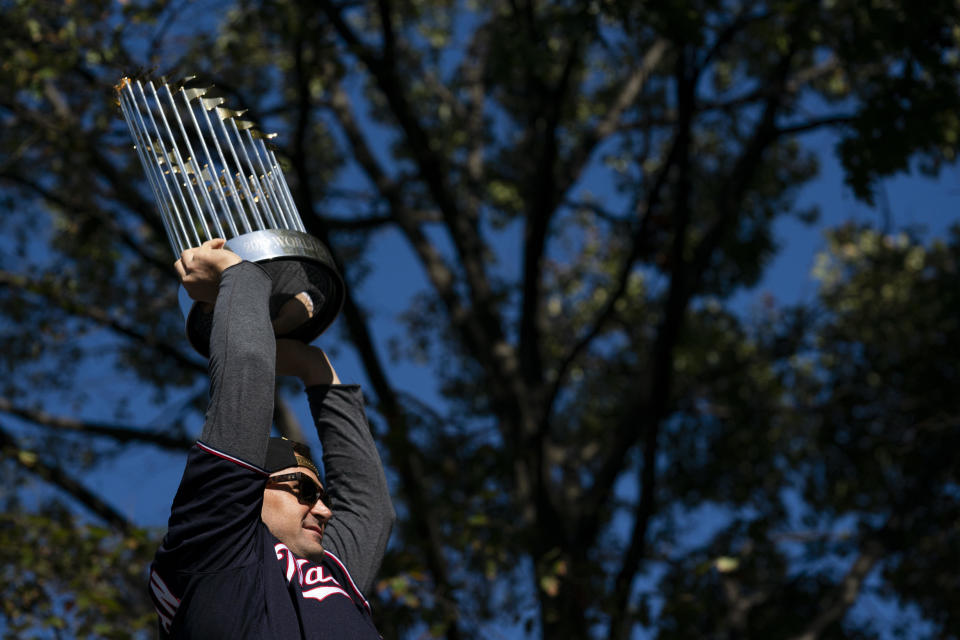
(313, 546)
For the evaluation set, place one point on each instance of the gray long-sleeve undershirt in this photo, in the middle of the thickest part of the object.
(242, 380)
(243, 360)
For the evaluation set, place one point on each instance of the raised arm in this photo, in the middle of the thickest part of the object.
(216, 513)
(363, 513)
(242, 349)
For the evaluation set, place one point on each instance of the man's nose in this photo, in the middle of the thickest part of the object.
(321, 511)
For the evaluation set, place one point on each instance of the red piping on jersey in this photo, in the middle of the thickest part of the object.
(350, 578)
(227, 456)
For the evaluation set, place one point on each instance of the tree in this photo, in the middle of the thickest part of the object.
(596, 392)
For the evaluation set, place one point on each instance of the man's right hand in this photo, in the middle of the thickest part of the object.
(200, 268)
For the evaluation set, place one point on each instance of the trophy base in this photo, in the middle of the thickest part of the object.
(297, 263)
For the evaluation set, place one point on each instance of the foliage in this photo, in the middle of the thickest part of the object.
(71, 577)
(858, 432)
(584, 185)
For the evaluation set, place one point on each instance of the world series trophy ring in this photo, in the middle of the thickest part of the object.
(213, 176)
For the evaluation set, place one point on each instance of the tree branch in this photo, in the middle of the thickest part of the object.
(91, 147)
(544, 199)
(816, 123)
(96, 428)
(686, 280)
(431, 168)
(31, 461)
(368, 223)
(386, 29)
(728, 33)
(834, 607)
(133, 243)
(464, 231)
(668, 333)
(629, 92)
(50, 291)
(438, 272)
(403, 453)
(636, 250)
(473, 75)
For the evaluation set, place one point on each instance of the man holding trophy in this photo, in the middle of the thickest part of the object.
(257, 546)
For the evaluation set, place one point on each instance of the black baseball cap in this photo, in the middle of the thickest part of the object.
(283, 453)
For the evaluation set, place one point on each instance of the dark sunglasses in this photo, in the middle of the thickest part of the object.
(308, 491)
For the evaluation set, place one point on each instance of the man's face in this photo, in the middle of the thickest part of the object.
(299, 526)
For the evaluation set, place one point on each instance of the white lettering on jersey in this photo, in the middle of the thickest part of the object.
(318, 574)
(164, 602)
(315, 574)
(321, 593)
(300, 563)
(282, 550)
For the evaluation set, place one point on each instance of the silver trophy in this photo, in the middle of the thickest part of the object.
(213, 176)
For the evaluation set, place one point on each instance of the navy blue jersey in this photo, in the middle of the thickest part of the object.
(220, 573)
